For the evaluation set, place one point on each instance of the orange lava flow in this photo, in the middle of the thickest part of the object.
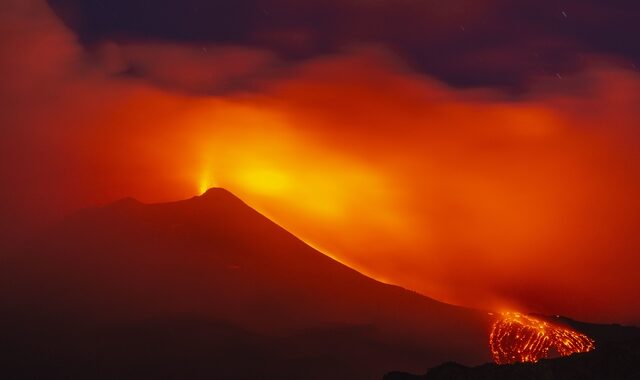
(516, 337)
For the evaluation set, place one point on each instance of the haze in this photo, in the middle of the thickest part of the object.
(514, 195)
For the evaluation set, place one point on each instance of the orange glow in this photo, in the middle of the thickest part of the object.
(516, 337)
(468, 196)
(206, 182)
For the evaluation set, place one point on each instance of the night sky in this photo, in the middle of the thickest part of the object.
(468, 43)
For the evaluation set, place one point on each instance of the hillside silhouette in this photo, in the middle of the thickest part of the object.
(210, 288)
(616, 357)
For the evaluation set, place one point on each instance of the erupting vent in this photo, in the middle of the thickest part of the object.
(517, 337)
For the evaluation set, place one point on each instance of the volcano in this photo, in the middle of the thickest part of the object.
(209, 288)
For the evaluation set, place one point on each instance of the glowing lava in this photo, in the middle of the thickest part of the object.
(517, 337)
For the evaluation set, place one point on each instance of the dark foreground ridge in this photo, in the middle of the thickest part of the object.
(616, 357)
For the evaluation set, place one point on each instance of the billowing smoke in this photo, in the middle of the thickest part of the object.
(469, 196)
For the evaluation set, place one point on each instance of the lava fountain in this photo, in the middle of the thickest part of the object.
(516, 337)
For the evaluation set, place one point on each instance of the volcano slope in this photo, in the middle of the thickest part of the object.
(209, 288)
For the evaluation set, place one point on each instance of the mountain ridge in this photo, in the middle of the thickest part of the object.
(615, 357)
(214, 258)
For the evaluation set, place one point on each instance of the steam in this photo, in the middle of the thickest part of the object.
(464, 195)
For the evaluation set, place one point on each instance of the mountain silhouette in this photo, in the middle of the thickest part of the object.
(610, 361)
(616, 357)
(209, 288)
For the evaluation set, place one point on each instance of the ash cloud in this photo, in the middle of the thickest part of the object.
(481, 198)
(465, 43)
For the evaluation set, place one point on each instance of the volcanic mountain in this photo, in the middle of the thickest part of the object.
(209, 288)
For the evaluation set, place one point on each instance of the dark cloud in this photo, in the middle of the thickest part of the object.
(196, 69)
(466, 43)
